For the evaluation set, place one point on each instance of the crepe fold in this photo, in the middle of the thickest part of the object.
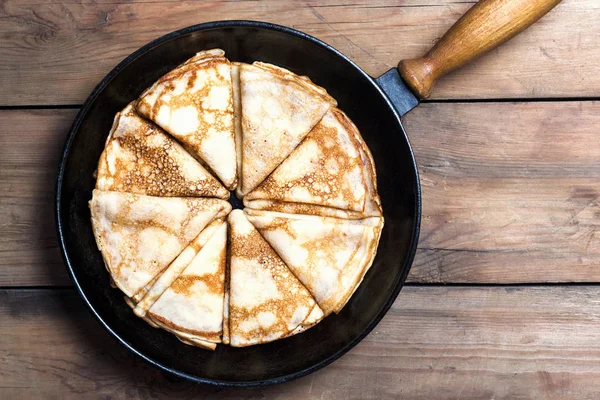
(330, 256)
(194, 103)
(266, 300)
(278, 109)
(140, 235)
(331, 174)
(139, 157)
(193, 302)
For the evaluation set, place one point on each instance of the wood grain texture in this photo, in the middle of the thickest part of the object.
(55, 52)
(435, 343)
(31, 142)
(486, 25)
(510, 193)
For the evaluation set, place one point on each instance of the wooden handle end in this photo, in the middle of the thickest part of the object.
(486, 25)
(419, 75)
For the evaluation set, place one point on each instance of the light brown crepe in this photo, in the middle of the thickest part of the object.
(266, 301)
(194, 103)
(183, 337)
(193, 303)
(330, 256)
(372, 202)
(175, 269)
(139, 236)
(139, 157)
(279, 108)
(326, 169)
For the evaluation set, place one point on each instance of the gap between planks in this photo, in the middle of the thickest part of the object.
(58, 52)
(442, 343)
(474, 285)
(425, 101)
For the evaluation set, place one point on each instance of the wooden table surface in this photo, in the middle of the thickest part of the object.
(503, 300)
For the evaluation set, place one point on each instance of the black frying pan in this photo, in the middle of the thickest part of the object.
(375, 106)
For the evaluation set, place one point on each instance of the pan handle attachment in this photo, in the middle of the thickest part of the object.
(485, 26)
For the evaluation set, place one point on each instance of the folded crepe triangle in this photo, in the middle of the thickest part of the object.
(372, 203)
(330, 256)
(139, 157)
(326, 169)
(175, 269)
(139, 236)
(315, 316)
(193, 302)
(194, 103)
(266, 301)
(279, 108)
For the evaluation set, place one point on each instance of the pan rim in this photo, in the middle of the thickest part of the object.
(59, 186)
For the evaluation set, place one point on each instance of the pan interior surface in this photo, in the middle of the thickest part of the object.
(380, 126)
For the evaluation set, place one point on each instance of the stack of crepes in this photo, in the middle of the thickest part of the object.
(170, 241)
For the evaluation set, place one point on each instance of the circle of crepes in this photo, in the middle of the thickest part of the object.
(370, 178)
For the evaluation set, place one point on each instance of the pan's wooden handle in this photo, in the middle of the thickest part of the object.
(486, 25)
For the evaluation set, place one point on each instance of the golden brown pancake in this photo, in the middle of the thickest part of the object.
(194, 103)
(266, 301)
(139, 235)
(372, 203)
(193, 303)
(279, 108)
(139, 157)
(326, 169)
(329, 256)
(181, 263)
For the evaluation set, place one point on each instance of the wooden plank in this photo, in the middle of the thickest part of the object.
(54, 53)
(30, 147)
(435, 343)
(510, 193)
